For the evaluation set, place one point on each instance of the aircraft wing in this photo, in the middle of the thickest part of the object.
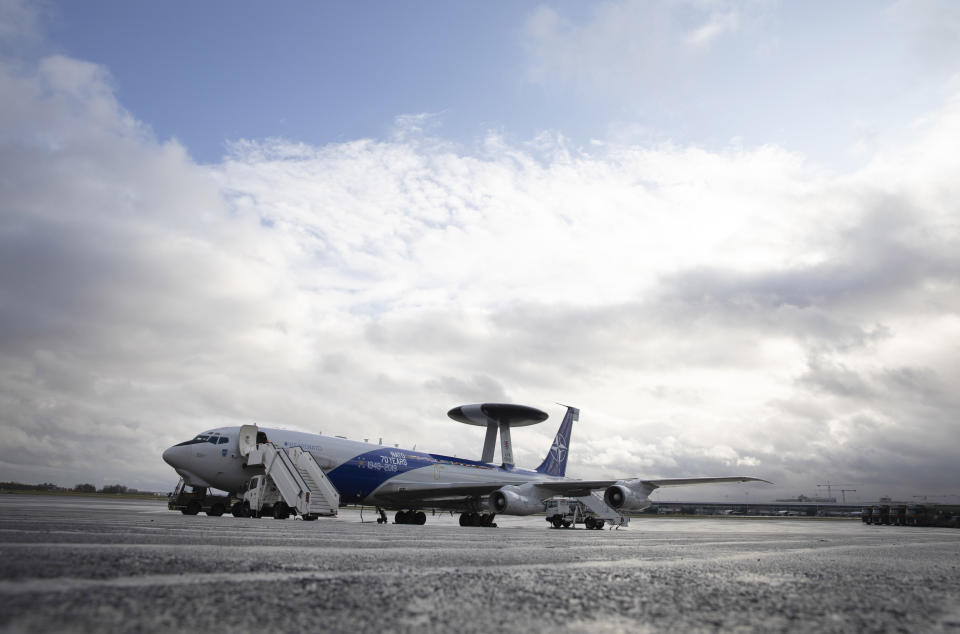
(579, 488)
(452, 491)
(681, 481)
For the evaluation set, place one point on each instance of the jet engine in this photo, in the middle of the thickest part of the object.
(521, 499)
(628, 495)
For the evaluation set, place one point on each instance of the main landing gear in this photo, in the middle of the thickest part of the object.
(410, 517)
(477, 519)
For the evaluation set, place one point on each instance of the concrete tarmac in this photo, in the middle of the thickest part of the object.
(100, 565)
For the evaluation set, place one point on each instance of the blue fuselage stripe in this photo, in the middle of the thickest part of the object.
(357, 478)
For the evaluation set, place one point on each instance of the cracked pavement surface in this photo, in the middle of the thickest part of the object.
(100, 565)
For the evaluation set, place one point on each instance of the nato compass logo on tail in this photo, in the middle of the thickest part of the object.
(555, 464)
(559, 450)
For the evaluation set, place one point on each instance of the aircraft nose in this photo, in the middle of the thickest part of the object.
(170, 456)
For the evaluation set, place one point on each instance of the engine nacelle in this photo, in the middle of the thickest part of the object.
(521, 499)
(627, 496)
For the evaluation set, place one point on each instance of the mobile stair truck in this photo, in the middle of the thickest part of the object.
(589, 510)
(291, 483)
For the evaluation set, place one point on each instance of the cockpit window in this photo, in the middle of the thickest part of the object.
(213, 439)
(223, 440)
(201, 438)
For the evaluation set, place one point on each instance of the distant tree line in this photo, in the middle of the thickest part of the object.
(18, 486)
(80, 488)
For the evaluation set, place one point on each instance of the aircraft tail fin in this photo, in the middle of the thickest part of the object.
(555, 464)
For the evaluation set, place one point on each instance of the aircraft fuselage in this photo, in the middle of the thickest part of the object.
(359, 471)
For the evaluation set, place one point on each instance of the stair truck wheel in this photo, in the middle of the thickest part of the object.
(193, 507)
(557, 521)
(598, 525)
(216, 510)
(589, 523)
(281, 511)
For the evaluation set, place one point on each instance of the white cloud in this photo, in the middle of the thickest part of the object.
(627, 48)
(711, 312)
(715, 26)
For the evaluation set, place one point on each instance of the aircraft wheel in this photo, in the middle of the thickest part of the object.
(420, 518)
(463, 519)
(567, 524)
(400, 517)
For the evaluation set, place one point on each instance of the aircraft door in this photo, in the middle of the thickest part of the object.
(247, 439)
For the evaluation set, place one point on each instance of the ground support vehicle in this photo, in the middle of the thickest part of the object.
(940, 515)
(898, 515)
(589, 510)
(946, 518)
(881, 514)
(918, 515)
(191, 500)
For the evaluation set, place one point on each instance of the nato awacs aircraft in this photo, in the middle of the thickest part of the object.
(409, 481)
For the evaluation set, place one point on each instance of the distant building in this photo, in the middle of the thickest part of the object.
(803, 498)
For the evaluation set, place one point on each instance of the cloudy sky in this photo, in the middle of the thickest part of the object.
(729, 232)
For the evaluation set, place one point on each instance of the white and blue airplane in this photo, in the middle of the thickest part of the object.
(409, 481)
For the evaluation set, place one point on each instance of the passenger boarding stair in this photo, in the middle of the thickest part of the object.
(295, 473)
(601, 510)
